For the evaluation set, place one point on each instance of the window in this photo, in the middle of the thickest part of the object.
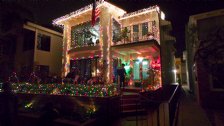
(136, 70)
(87, 67)
(42, 70)
(144, 28)
(43, 42)
(85, 35)
(145, 67)
(116, 31)
(28, 39)
(135, 32)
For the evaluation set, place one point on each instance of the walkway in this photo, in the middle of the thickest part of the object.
(190, 113)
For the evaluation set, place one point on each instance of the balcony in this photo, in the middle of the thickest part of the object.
(85, 48)
(136, 33)
(135, 37)
(86, 43)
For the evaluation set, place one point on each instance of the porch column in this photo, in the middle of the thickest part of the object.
(105, 23)
(66, 47)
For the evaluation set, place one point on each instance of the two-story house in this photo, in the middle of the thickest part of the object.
(135, 39)
(38, 49)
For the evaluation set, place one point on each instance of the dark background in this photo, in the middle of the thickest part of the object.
(177, 11)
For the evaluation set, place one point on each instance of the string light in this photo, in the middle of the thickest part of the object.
(66, 89)
(85, 9)
(139, 12)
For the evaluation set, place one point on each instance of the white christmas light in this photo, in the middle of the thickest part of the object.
(80, 11)
(139, 12)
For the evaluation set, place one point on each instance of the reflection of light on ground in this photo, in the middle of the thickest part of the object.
(30, 105)
(90, 108)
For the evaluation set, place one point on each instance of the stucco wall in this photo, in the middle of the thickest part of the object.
(23, 58)
(33, 57)
(209, 96)
(53, 59)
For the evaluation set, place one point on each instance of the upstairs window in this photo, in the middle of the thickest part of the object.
(42, 70)
(28, 39)
(135, 32)
(43, 42)
(116, 31)
(144, 28)
(85, 35)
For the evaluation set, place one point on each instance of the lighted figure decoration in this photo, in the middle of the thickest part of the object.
(34, 79)
(155, 64)
(124, 34)
(154, 75)
(13, 78)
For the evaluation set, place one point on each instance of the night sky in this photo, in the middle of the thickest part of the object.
(177, 11)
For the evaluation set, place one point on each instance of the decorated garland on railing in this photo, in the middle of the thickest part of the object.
(66, 89)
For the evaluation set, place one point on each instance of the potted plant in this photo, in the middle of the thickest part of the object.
(124, 34)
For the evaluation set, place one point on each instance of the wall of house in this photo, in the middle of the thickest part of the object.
(189, 40)
(53, 58)
(151, 16)
(210, 92)
(167, 56)
(106, 38)
(23, 58)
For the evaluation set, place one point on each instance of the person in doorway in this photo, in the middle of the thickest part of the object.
(122, 75)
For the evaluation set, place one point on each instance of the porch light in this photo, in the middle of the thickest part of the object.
(140, 59)
(162, 16)
(145, 62)
(175, 71)
(175, 75)
(97, 71)
(127, 67)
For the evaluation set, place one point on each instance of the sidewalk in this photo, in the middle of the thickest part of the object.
(190, 113)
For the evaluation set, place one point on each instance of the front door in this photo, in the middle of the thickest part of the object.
(140, 70)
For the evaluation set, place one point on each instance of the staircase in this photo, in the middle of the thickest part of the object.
(129, 102)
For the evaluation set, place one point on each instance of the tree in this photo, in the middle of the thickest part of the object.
(211, 53)
(124, 34)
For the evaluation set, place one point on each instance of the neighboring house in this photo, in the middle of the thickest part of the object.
(38, 49)
(7, 52)
(180, 71)
(205, 57)
(11, 21)
(140, 40)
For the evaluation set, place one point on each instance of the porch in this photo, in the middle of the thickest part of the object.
(142, 64)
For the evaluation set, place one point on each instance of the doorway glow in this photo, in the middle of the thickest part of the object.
(140, 59)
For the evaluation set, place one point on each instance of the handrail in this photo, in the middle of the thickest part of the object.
(159, 101)
(173, 94)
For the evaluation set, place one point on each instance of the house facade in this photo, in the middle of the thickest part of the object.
(39, 50)
(204, 44)
(136, 39)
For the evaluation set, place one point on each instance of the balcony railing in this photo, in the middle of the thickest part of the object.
(84, 44)
(136, 37)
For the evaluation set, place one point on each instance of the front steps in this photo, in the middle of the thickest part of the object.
(130, 102)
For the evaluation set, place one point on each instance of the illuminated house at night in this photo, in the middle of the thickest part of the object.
(140, 40)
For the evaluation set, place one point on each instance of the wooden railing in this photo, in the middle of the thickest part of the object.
(162, 104)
